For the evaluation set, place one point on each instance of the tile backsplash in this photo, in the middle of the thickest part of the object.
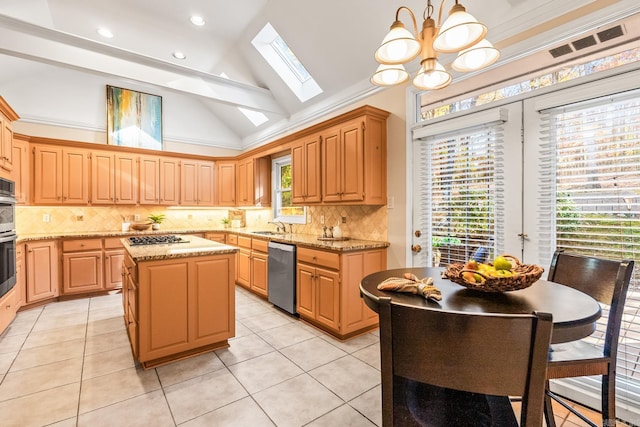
(362, 222)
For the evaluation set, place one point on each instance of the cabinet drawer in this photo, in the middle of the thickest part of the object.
(232, 239)
(112, 243)
(323, 258)
(244, 242)
(81, 245)
(260, 245)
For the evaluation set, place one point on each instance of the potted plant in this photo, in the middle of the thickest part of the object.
(156, 220)
(439, 241)
(225, 222)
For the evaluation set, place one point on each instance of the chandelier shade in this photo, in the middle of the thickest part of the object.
(461, 33)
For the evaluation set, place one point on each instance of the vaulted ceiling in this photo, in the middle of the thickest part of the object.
(54, 44)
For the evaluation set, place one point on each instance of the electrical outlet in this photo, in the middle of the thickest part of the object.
(46, 217)
(79, 217)
(344, 219)
(321, 219)
(136, 217)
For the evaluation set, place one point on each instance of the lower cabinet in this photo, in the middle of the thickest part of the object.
(216, 237)
(252, 264)
(177, 306)
(21, 278)
(8, 308)
(328, 293)
(113, 258)
(42, 270)
(91, 265)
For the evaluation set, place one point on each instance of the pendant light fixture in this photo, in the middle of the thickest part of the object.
(460, 32)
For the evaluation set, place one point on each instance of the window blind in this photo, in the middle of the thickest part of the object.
(590, 203)
(459, 188)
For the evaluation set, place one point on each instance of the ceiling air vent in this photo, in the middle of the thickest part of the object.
(610, 33)
(565, 49)
(584, 43)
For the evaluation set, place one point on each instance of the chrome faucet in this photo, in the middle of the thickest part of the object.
(279, 225)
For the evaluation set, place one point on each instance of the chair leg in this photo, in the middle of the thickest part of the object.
(609, 400)
(548, 408)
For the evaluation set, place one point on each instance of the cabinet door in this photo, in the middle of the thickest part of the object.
(305, 290)
(126, 176)
(332, 166)
(188, 183)
(113, 269)
(259, 276)
(102, 178)
(82, 272)
(169, 181)
(352, 161)
(244, 183)
(244, 268)
(20, 172)
(262, 181)
(298, 174)
(206, 176)
(312, 162)
(149, 181)
(7, 145)
(328, 298)
(21, 278)
(226, 184)
(47, 175)
(75, 176)
(42, 271)
(216, 237)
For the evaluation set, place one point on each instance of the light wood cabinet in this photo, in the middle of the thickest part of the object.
(262, 181)
(7, 116)
(244, 262)
(126, 176)
(61, 176)
(21, 278)
(42, 270)
(216, 237)
(20, 171)
(82, 269)
(259, 266)
(169, 181)
(175, 308)
(114, 178)
(343, 162)
(197, 183)
(244, 182)
(328, 292)
(8, 308)
(149, 181)
(130, 301)
(226, 183)
(305, 170)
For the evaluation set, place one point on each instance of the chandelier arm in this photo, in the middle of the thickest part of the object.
(413, 19)
(440, 13)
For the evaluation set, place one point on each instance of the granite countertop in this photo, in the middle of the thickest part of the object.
(194, 246)
(308, 240)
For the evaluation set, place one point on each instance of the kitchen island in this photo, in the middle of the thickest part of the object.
(178, 298)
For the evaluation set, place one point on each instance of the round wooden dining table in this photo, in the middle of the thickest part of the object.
(574, 312)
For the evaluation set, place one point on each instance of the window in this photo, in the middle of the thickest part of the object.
(283, 209)
(593, 151)
(285, 63)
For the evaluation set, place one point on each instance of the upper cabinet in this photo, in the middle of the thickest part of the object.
(114, 178)
(60, 175)
(20, 171)
(262, 181)
(149, 180)
(169, 181)
(197, 183)
(7, 116)
(345, 162)
(226, 181)
(244, 182)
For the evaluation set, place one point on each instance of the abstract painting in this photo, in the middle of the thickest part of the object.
(134, 119)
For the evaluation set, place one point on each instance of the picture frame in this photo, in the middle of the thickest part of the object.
(134, 119)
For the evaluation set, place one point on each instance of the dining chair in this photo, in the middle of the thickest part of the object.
(458, 369)
(606, 281)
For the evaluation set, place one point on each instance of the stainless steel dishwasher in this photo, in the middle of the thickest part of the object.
(282, 276)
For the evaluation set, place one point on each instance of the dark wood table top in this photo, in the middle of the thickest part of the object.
(574, 313)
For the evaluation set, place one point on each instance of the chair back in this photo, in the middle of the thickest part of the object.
(493, 354)
(605, 280)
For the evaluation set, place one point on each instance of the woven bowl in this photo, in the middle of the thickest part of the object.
(525, 276)
(140, 226)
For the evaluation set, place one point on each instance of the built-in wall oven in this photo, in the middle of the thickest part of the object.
(7, 236)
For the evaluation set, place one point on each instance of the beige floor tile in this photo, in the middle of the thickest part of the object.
(370, 404)
(40, 378)
(348, 377)
(69, 422)
(264, 371)
(80, 305)
(251, 309)
(112, 388)
(6, 360)
(107, 362)
(263, 322)
(43, 355)
(149, 409)
(244, 348)
(369, 355)
(297, 401)
(12, 343)
(106, 313)
(243, 412)
(198, 396)
(312, 353)
(43, 408)
(187, 369)
(344, 416)
(105, 342)
(59, 321)
(105, 326)
(242, 330)
(20, 325)
(55, 336)
(354, 344)
(286, 335)
(106, 301)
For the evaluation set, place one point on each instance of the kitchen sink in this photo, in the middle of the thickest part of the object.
(268, 233)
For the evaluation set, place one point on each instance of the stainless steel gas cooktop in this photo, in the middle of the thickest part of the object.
(155, 240)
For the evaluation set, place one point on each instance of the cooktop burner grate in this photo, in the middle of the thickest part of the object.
(155, 240)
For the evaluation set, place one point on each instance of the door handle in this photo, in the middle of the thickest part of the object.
(416, 248)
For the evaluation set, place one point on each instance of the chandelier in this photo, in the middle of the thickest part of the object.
(460, 33)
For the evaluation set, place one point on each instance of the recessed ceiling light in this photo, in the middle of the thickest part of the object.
(197, 20)
(105, 32)
(179, 55)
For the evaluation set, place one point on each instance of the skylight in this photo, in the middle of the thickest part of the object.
(256, 117)
(277, 53)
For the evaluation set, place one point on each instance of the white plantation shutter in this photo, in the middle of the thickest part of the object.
(590, 202)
